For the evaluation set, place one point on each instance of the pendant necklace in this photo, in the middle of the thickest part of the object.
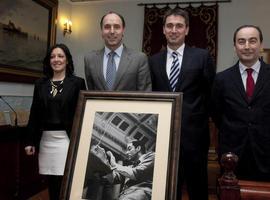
(56, 88)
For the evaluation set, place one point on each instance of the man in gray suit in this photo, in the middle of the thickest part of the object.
(116, 67)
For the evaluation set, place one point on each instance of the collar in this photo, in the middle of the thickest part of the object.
(180, 50)
(256, 67)
(118, 51)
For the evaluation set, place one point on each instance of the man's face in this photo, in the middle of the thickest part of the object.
(175, 31)
(132, 151)
(247, 45)
(112, 31)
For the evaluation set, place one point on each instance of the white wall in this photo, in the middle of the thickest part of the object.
(16, 89)
(86, 31)
(86, 16)
(235, 14)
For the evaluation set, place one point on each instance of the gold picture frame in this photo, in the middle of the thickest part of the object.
(27, 30)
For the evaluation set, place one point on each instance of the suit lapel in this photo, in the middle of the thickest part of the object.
(99, 65)
(45, 88)
(123, 66)
(187, 57)
(162, 70)
(237, 79)
(261, 80)
(67, 87)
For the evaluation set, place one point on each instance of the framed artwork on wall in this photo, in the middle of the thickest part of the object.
(124, 144)
(265, 55)
(27, 30)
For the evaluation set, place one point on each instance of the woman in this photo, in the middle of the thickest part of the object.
(51, 116)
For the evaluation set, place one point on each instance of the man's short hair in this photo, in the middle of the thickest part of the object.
(248, 26)
(140, 143)
(112, 12)
(176, 12)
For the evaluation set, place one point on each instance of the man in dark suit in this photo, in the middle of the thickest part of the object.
(189, 70)
(241, 106)
(116, 67)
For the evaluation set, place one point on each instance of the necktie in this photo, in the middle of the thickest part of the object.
(250, 83)
(175, 70)
(111, 70)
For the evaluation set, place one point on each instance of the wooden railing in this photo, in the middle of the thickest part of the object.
(254, 190)
(230, 188)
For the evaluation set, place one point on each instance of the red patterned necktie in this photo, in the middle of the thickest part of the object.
(250, 83)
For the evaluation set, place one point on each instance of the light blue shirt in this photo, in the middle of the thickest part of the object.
(118, 53)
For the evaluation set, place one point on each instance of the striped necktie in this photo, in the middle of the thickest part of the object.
(111, 70)
(175, 70)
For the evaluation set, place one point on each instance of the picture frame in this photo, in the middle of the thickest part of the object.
(109, 121)
(265, 55)
(27, 30)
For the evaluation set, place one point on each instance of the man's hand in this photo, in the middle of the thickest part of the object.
(112, 159)
(29, 150)
(100, 153)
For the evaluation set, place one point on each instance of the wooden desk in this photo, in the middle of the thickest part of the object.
(19, 173)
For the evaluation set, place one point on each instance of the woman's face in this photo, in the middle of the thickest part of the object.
(58, 60)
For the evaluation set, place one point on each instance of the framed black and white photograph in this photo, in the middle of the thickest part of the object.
(124, 144)
(27, 30)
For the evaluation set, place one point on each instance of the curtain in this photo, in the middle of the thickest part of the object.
(202, 31)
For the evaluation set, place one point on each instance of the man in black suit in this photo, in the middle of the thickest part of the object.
(241, 106)
(189, 70)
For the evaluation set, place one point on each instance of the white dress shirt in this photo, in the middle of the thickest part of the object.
(180, 52)
(256, 68)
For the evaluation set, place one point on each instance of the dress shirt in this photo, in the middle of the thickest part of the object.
(256, 68)
(180, 52)
(117, 56)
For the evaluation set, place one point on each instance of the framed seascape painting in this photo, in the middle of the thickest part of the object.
(124, 145)
(27, 30)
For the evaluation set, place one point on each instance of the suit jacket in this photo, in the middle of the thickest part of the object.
(132, 74)
(140, 187)
(195, 81)
(241, 122)
(71, 88)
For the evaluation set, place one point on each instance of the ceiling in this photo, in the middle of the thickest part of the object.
(85, 0)
(98, 0)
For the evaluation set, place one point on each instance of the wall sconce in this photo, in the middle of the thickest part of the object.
(67, 27)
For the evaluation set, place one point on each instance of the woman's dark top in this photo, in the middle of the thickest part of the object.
(53, 120)
(50, 112)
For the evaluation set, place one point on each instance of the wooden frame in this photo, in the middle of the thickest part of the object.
(99, 121)
(265, 55)
(27, 30)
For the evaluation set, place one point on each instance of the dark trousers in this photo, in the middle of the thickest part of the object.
(193, 172)
(248, 168)
(54, 186)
